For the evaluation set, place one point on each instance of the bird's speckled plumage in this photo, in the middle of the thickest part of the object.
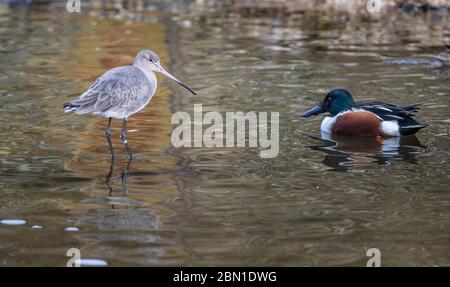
(118, 93)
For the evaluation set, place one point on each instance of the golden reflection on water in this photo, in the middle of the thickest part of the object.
(91, 63)
(100, 45)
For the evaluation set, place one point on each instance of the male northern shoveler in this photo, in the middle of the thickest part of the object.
(371, 119)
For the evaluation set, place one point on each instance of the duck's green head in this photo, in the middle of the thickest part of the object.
(336, 101)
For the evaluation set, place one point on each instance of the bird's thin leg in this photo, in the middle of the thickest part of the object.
(108, 138)
(124, 137)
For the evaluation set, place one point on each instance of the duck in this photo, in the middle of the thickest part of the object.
(376, 119)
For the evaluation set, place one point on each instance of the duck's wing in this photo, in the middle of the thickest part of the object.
(402, 114)
(390, 111)
(120, 88)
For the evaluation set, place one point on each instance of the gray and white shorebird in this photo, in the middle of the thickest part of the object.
(122, 92)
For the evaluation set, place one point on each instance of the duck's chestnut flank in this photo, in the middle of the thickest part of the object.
(357, 123)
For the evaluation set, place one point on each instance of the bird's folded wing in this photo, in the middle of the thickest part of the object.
(119, 88)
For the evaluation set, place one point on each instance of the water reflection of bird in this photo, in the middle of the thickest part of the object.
(368, 119)
(123, 176)
(344, 153)
(122, 92)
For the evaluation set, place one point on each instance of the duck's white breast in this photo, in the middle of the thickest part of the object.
(327, 124)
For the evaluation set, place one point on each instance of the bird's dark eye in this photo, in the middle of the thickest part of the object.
(150, 59)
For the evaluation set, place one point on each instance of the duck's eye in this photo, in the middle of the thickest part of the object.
(150, 59)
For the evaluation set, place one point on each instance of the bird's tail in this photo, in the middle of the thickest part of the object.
(69, 107)
(412, 108)
(411, 129)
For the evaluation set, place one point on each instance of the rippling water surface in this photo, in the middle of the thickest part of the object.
(321, 201)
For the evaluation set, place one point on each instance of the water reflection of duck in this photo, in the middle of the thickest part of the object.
(344, 153)
(368, 119)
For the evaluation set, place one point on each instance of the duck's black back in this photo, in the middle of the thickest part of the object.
(389, 112)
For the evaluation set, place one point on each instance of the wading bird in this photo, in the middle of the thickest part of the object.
(122, 92)
(371, 119)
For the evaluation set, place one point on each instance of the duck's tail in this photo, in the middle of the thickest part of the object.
(411, 129)
(408, 125)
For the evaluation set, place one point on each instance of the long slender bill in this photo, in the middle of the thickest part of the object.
(165, 73)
